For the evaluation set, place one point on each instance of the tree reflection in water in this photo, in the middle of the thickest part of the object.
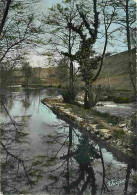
(77, 166)
(75, 173)
(16, 165)
(70, 164)
(14, 171)
(26, 101)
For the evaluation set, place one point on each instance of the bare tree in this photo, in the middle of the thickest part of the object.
(63, 38)
(126, 18)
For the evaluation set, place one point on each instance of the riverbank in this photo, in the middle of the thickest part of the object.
(113, 130)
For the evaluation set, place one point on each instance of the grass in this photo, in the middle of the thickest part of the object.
(119, 134)
(100, 126)
(109, 118)
(124, 90)
(119, 99)
(134, 179)
(97, 116)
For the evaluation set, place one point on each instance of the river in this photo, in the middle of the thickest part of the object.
(42, 154)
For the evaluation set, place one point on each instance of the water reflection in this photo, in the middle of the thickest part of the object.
(82, 167)
(42, 154)
(26, 101)
(14, 171)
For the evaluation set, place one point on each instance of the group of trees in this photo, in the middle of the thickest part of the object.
(75, 29)
(19, 31)
(75, 26)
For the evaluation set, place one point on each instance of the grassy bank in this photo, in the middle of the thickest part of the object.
(112, 130)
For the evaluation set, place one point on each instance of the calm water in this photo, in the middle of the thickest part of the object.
(42, 154)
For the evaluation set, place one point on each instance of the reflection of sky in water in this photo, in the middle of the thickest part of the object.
(40, 117)
(40, 123)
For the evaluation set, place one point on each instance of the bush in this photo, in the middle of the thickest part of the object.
(119, 99)
(68, 96)
(59, 86)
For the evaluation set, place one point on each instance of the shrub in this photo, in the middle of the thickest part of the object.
(59, 86)
(119, 99)
(68, 96)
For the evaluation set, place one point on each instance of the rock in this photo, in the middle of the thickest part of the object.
(59, 97)
(88, 128)
(89, 118)
(128, 149)
(107, 136)
(84, 125)
(50, 106)
(122, 125)
(104, 131)
(73, 116)
(110, 124)
(79, 119)
(99, 104)
(67, 111)
(61, 108)
(125, 129)
(119, 143)
(93, 126)
(96, 130)
(80, 102)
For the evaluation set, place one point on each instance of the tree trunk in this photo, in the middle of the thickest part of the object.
(131, 72)
(86, 103)
(88, 98)
(72, 81)
(5, 16)
(71, 84)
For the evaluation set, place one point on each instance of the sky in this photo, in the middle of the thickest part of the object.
(34, 58)
(44, 4)
(38, 60)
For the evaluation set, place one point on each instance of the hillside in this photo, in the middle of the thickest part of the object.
(115, 71)
(114, 74)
